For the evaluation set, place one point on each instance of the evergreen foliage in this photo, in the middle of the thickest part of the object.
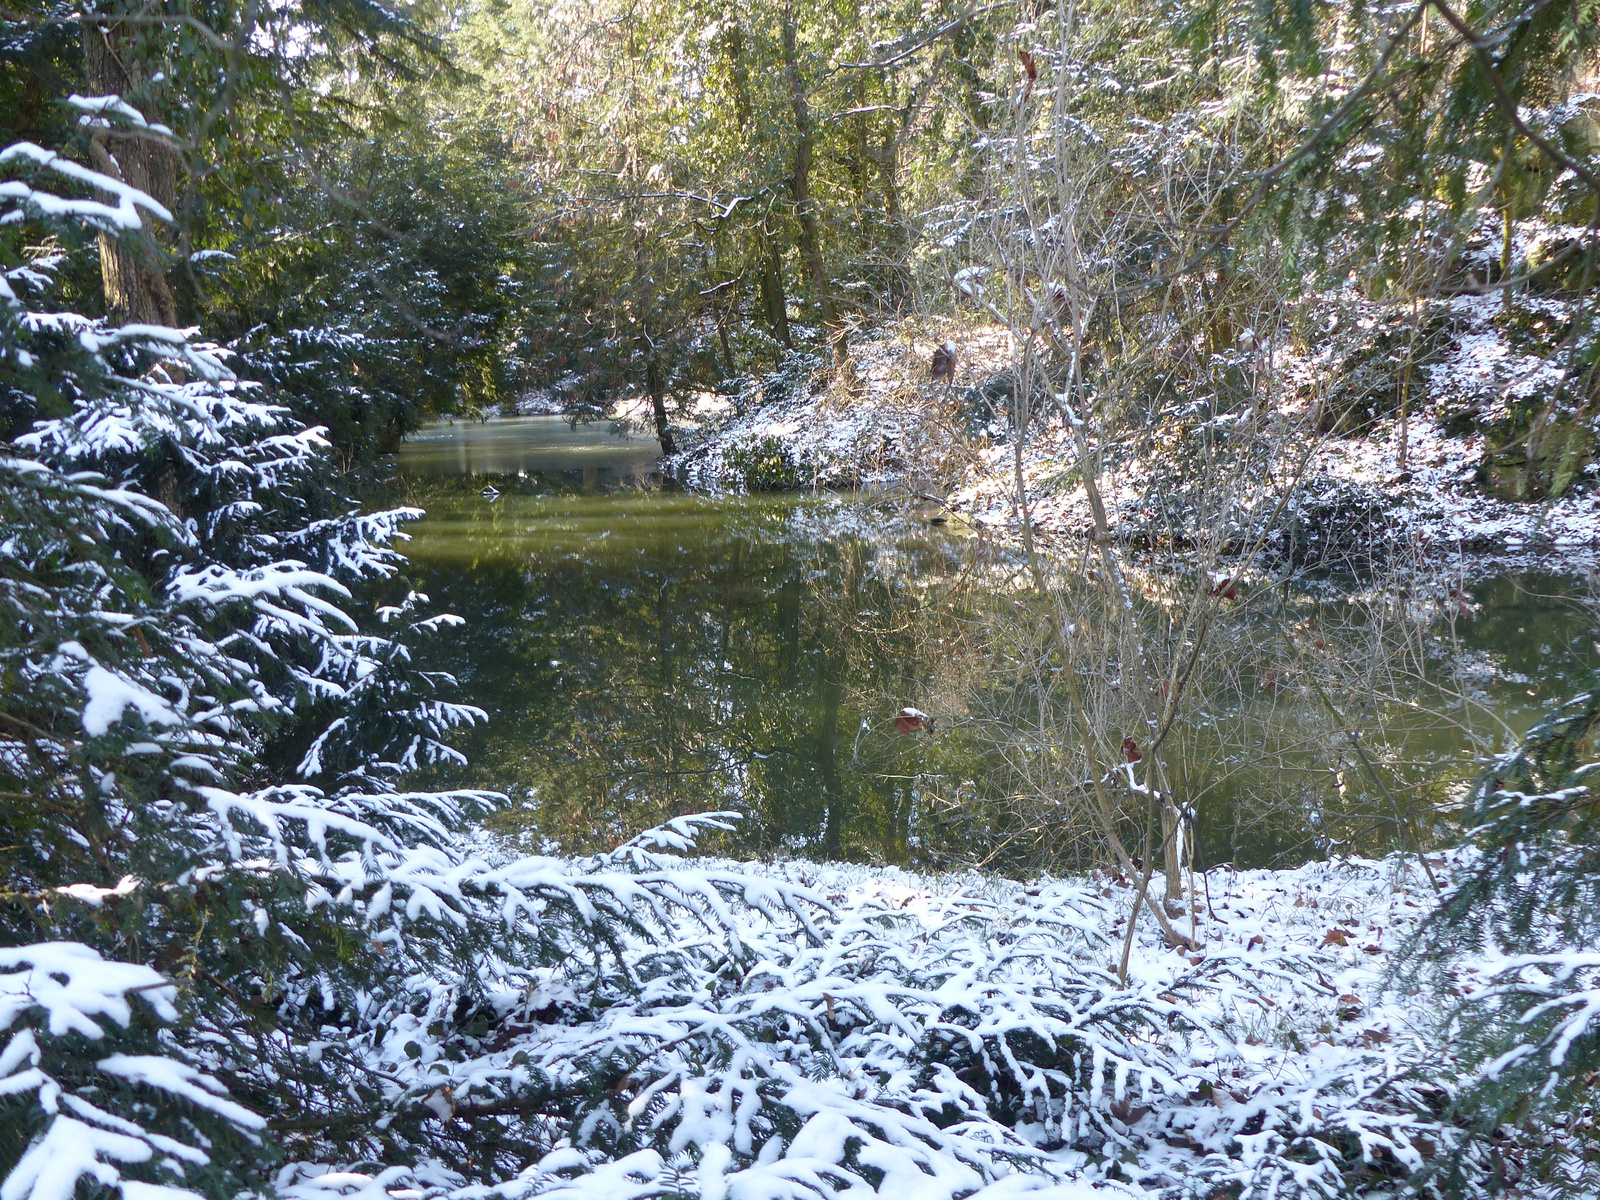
(1532, 902)
(171, 572)
(333, 220)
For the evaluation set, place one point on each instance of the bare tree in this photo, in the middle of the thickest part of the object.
(1122, 644)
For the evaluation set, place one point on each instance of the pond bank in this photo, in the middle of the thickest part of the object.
(895, 432)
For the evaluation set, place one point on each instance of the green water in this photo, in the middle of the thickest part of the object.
(644, 652)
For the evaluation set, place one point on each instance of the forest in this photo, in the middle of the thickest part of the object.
(705, 601)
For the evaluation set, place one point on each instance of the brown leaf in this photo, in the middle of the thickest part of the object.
(1127, 1112)
(1336, 937)
(1131, 751)
(1258, 940)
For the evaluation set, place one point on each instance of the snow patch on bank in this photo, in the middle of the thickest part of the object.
(887, 427)
(895, 430)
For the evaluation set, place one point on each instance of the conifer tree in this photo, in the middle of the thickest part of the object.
(1530, 902)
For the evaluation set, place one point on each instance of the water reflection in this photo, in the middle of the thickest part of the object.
(599, 454)
(645, 652)
(648, 653)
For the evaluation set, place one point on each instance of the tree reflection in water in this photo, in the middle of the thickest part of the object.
(644, 654)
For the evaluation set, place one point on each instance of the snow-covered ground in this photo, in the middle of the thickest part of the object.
(1436, 507)
(891, 427)
(825, 1030)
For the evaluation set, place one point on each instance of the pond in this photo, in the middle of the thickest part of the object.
(644, 651)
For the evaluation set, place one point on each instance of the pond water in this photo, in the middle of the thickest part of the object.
(644, 651)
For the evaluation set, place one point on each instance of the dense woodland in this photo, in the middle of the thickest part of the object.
(246, 249)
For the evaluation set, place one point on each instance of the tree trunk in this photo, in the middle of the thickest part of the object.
(773, 298)
(1172, 838)
(721, 319)
(774, 304)
(131, 273)
(894, 215)
(655, 381)
(805, 204)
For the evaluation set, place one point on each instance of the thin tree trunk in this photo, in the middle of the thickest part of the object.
(772, 293)
(894, 213)
(728, 364)
(805, 204)
(655, 382)
(773, 301)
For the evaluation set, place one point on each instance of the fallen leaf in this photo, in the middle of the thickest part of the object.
(1127, 1112)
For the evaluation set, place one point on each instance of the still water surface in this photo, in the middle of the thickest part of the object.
(644, 651)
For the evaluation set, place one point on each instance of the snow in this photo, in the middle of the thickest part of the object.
(98, 106)
(125, 216)
(179, 1079)
(79, 994)
(110, 695)
(872, 1003)
(94, 897)
(69, 1151)
(894, 427)
(77, 988)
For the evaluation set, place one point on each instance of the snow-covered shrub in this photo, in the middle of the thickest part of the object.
(656, 1026)
(1530, 905)
(86, 1092)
